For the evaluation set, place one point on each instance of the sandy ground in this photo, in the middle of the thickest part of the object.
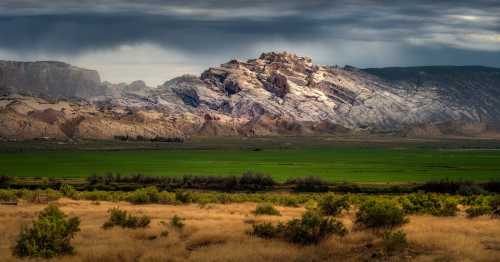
(217, 233)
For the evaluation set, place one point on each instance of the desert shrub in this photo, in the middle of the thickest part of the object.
(23, 193)
(333, 205)
(144, 195)
(448, 208)
(266, 209)
(311, 205)
(494, 204)
(121, 218)
(312, 228)
(380, 214)
(419, 203)
(477, 211)
(49, 236)
(51, 194)
(8, 195)
(176, 222)
(68, 191)
(266, 230)
(434, 204)
(289, 201)
(39, 195)
(164, 233)
(183, 196)
(166, 198)
(394, 241)
(475, 200)
(99, 196)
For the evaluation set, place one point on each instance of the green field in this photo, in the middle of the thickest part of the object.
(335, 162)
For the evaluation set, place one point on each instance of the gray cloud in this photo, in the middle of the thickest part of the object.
(358, 32)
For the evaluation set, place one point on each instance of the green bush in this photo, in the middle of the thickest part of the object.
(176, 222)
(68, 191)
(311, 228)
(494, 204)
(311, 205)
(266, 209)
(478, 211)
(49, 236)
(167, 198)
(164, 233)
(39, 195)
(8, 195)
(99, 196)
(475, 200)
(121, 218)
(183, 197)
(332, 205)
(144, 196)
(380, 214)
(51, 194)
(394, 241)
(289, 201)
(434, 204)
(266, 230)
(448, 208)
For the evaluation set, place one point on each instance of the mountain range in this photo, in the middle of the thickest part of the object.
(275, 94)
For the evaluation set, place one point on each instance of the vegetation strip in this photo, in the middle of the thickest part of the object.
(248, 182)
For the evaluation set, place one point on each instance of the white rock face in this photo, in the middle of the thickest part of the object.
(286, 87)
(278, 93)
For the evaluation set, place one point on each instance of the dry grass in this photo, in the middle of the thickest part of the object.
(217, 233)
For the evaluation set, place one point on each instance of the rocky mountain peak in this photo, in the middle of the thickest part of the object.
(272, 71)
(284, 57)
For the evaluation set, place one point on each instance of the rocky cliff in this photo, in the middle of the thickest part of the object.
(275, 94)
(52, 80)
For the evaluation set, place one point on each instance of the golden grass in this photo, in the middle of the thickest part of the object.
(217, 233)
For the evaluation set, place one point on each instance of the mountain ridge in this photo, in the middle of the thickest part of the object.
(274, 94)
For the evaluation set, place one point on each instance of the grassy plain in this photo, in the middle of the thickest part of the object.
(382, 160)
(216, 232)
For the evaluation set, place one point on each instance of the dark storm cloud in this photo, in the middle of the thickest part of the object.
(411, 32)
(80, 32)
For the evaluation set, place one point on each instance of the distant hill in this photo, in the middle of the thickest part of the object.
(48, 79)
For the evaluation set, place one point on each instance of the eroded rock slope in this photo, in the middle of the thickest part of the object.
(276, 94)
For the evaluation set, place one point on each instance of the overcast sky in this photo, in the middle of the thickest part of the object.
(155, 40)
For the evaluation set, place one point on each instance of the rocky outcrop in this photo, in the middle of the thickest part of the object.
(474, 87)
(54, 80)
(275, 94)
(277, 84)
